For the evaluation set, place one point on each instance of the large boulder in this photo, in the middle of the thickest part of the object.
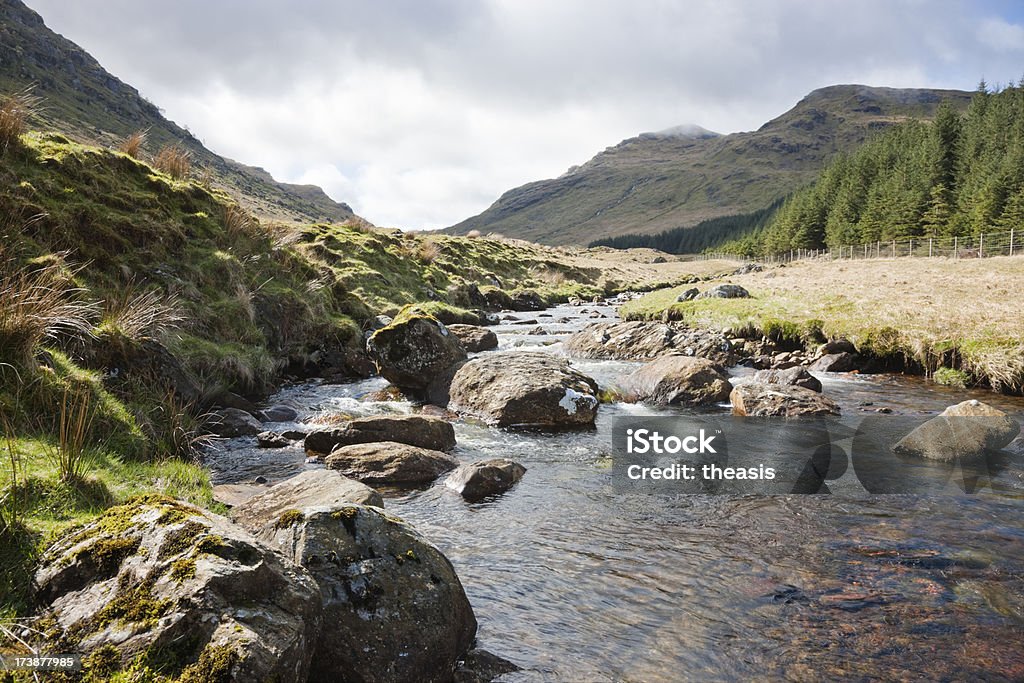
(390, 464)
(478, 480)
(843, 361)
(311, 488)
(414, 430)
(678, 380)
(724, 292)
(394, 609)
(475, 338)
(643, 340)
(414, 350)
(232, 422)
(965, 431)
(161, 583)
(756, 399)
(522, 389)
(795, 376)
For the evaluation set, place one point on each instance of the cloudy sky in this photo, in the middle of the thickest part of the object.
(419, 113)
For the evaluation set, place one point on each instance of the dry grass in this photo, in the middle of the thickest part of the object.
(132, 145)
(237, 221)
(74, 428)
(473, 234)
(428, 251)
(142, 315)
(15, 111)
(174, 161)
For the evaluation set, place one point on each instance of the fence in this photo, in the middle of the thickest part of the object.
(975, 246)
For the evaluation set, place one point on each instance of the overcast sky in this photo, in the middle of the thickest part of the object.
(419, 113)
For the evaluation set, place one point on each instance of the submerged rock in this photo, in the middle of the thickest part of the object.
(964, 431)
(484, 478)
(794, 376)
(161, 576)
(390, 464)
(415, 430)
(756, 399)
(475, 338)
(523, 389)
(393, 607)
(644, 340)
(678, 380)
(414, 350)
(272, 440)
(278, 414)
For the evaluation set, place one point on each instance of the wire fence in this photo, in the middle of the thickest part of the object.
(973, 246)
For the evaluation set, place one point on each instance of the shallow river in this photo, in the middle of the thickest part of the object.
(574, 580)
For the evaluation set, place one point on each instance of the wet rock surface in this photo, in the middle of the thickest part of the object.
(484, 478)
(474, 337)
(794, 376)
(756, 399)
(390, 464)
(678, 380)
(415, 430)
(966, 431)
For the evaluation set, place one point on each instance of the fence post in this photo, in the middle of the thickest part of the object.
(956, 250)
(1011, 241)
(911, 246)
(981, 246)
(894, 248)
(929, 247)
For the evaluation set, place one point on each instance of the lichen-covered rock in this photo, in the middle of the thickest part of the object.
(795, 376)
(390, 464)
(474, 337)
(414, 350)
(232, 422)
(309, 489)
(478, 480)
(724, 292)
(644, 340)
(394, 609)
(756, 399)
(522, 389)
(965, 431)
(415, 430)
(678, 380)
(162, 584)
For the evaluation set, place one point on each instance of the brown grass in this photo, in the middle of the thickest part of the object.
(174, 161)
(141, 315)
(428, 251)
(74, 427)
(132, 145)
(15, 111)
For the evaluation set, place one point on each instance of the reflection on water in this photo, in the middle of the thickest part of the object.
(575, 581)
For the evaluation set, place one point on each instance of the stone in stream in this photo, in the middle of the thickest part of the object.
(232, 422)
(478, 480)
(415, 430)
(965, 431)
(414, 350)
(160, 576)
(393, 607)
(307, 489)
(835, 362)
(475, 338)
(677, 380)
(272, 440)
(795, 376)
(278, 414)
(644, 340)
(390, 464)
(524, 389)
(757, 399)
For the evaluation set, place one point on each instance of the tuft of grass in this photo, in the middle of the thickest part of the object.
(132, 145)
(138, 316)
(74, 428)
(174, 161)
(428, 251)
(175, 429)
(15, 111)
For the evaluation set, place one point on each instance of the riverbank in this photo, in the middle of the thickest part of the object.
(955, 320)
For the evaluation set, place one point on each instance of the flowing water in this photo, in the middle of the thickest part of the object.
(574, 580)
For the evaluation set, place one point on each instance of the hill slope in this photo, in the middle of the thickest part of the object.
(85, 101)
(655, 182)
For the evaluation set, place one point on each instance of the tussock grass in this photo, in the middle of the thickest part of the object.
(138, 316)
(428, 251)
(174, 161)
(132, 145)
(963, 314)
(15, 111)
(73, 430)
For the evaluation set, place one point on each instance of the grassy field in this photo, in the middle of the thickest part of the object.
(938, 313)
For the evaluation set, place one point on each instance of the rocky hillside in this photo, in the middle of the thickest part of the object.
(88, 103)
(680, 177)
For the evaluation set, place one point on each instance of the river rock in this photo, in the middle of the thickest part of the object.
(311, 488)
(835, 362)
(232, 422)
(481, 666)
(724, 292)
(794, 376)
(413, 350)
(394, 609)
(272, 440)
(964, 431)
(835, 346)
(414, 430)
(475, 338)
(161, 576)
(278, 414)
(524, 389)
(527, 300)
(478, 480)
(757, 399)
(644, 340)
(390, 464)
(678, 380)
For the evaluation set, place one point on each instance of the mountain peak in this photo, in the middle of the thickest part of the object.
(689, 131)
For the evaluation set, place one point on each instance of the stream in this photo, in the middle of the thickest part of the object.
(573, 580)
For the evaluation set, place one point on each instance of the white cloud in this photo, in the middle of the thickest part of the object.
(419, 114)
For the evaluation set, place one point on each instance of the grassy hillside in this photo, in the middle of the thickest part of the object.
(934, 313)
(89, 104)
(653, 183)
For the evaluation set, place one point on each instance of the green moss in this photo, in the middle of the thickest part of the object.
(101, 664)
(183, 569)
(951, 377)
(215, 665)
(289, 518)
(131, 606)
(182, 539)
(107, 554)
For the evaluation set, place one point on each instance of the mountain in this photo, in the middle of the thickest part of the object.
(83, 100)
(685, 175)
